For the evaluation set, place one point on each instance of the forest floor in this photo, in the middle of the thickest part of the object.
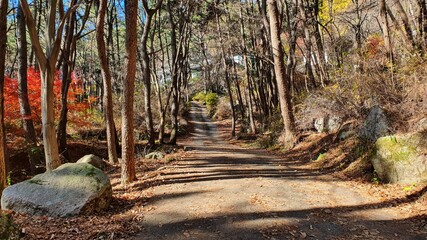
(220, 189)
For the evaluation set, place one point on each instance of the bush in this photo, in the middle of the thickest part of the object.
(200, 97)
(211, 100)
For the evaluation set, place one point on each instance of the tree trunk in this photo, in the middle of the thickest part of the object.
(128, 151)
(162, 109)
(47, 65)
(65, 84)
(175, 86)
(422, 23)
(24, 105)
(3, 41)
(227, 78)
(106, 80)
(386, 30)
(282, 83)
(321, 58)
(146, 72)
(405, 21)
(248, 75)
(308, 46)
(48, 121)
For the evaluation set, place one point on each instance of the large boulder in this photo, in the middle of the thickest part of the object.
(401, 158)
(92, 160)
(375, 125)
(69, 190)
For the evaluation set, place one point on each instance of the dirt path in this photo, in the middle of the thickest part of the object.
(221, 191)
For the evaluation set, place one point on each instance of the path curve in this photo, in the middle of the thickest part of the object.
(222, 191)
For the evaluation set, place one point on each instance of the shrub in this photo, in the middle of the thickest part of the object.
(79, 105)
(211, 100)
(200, 97)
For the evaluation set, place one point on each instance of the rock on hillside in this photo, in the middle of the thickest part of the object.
(71, 189)
(401, 158)
(92, 160)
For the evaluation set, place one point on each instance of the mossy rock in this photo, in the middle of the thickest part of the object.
(401, 158)
(71, 189)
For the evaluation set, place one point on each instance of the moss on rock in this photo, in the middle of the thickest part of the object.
(401, 158)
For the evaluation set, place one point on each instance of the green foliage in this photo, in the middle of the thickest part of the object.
(211, 100)
(266, 141)
(8, 179)
(375, 180)
(409, 188)
(200, 97)
(321, 156)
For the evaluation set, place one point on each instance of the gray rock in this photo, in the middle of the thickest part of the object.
(92, 160)
(69, 190)
(375, 126)
(334, 123)
(401, 158)
(320, 124)
(327, 124)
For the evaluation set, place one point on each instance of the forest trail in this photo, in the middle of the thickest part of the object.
(222, 191)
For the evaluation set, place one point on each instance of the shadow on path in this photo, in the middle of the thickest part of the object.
(226, 192)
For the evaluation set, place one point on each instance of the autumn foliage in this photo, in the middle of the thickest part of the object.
(78, 104)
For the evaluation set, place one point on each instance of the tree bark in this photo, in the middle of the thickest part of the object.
(405, 21)
(281, 78)
(227, 77)
(386, 30)
(128, 151)
(24, 105)
(247, 74)
(146, 73)
(106, 80)
(308, 45)
(65, 84)
(175, 85)
(3, 41)
(422, 23)
(47, 64)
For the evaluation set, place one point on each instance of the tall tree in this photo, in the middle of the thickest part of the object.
(406, 25)
(128, 151)
(24, 105)
(247, 74)
(422, 23)
(3, 41)
(106, 80)
(175, 78)
(281, 77)
(386, 30)
(226, 73)
(67, 59)
(146, 73)
(47, 60)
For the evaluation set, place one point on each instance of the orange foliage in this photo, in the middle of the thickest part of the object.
(77, 108)
(374, 45)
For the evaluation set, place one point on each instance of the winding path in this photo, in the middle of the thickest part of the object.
(221, 191)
